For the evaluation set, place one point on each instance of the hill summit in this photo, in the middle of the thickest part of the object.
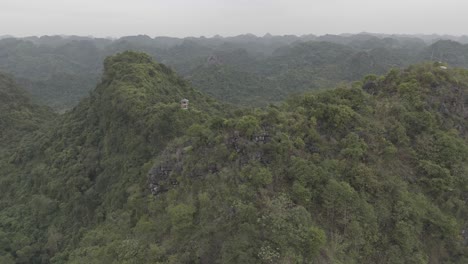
(84, 162)
(371, 172)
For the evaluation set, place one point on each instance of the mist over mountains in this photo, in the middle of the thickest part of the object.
(246, 69)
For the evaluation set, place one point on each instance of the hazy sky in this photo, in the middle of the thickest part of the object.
(230, 17)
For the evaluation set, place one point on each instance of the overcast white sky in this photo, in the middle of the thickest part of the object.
(181, 18)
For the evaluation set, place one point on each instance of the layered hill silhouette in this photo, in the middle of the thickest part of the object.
(60, 71)
(373, 172)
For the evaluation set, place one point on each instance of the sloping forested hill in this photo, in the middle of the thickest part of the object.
(371, 173)
(58, 181)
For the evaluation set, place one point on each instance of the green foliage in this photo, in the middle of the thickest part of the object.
(349, 175)
(248, 125)
(257, 175)
(181, 217)
(353, 147)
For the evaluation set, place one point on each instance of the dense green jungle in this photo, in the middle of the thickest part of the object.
(311, 149)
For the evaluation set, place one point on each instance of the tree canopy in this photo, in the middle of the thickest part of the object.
(370, 172)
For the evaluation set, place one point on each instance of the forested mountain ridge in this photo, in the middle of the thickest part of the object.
(373, 172)
(59, 71)
(53, 185)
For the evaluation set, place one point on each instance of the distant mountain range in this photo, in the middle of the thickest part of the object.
(246, 70)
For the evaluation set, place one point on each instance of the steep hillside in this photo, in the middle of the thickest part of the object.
(374, 173)
(371, 173)
(83, 170)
